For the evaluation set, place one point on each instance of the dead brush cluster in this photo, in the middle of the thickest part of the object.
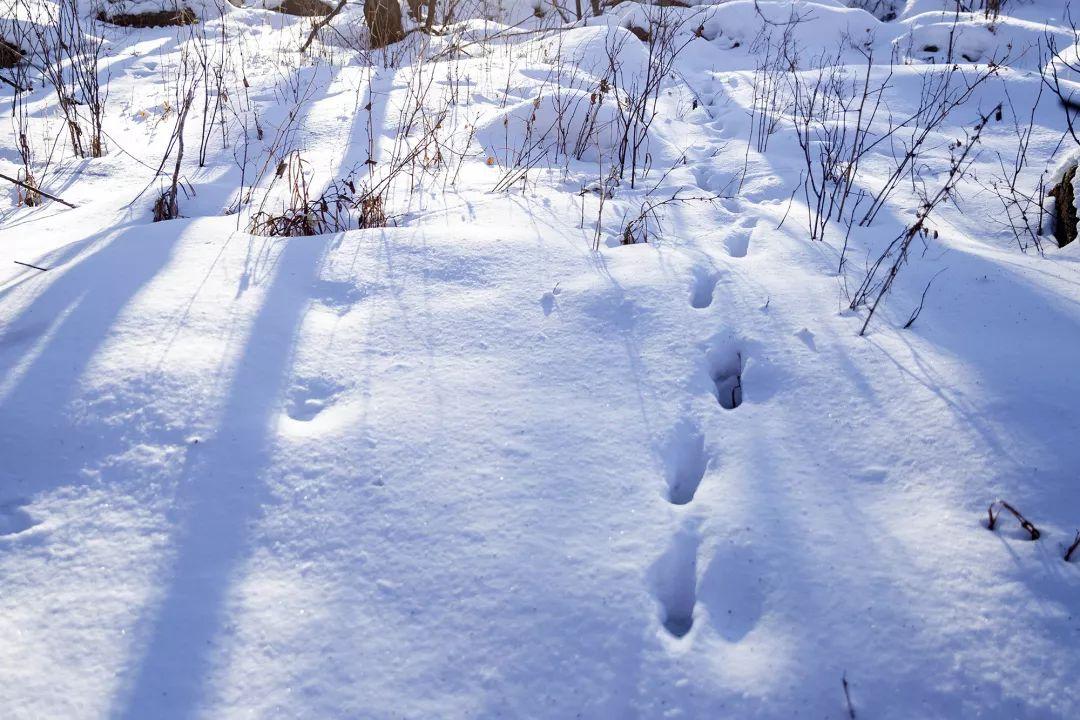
(342, 206)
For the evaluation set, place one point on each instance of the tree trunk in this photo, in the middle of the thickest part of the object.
(430, 20)
(384, 21)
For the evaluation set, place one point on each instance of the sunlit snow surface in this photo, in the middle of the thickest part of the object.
(470, 467)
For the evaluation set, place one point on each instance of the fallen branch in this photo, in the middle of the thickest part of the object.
(8, 81)
(847, 696)
(39, 191)
(1024, 522)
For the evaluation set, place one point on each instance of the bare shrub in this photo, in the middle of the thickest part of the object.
(1023, 205)
(637, 95)
(167, 206)
(833, 111)
(20, 82)
(941, 93)
(340, 207)
(882, 273)
(69, 55)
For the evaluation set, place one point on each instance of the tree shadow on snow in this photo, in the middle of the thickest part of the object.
(62, 329)
(221, 489)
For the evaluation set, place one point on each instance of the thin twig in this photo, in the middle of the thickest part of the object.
(45, 269)
(1024, 522)
(1072, 548)
(922, 301)
(847, 696)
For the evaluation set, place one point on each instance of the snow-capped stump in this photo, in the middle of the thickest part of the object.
(146, 13)
(10, 54)
(1064, 211)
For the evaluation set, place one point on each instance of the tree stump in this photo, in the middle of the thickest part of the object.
(384, 22)
(10, 54)
(1064, 209)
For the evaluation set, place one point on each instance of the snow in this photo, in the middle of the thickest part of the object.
(468, 466)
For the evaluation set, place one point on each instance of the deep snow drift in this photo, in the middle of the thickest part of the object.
(489, 461)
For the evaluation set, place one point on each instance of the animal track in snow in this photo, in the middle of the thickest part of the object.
(738, 243)
(549, 299)
(308, 398)
(701, 294)
(725, 369)
(674, 577)
(709, 177)
(686, 461)
(14, 520)
(337, 295)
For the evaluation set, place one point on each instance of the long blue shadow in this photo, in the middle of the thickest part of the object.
(220, 493)
(43, 444)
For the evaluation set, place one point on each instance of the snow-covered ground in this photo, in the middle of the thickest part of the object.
(488, 461)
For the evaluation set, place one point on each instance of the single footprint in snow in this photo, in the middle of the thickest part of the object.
(737, 243)
(674, 580)
(732, 590)
(725, 369)
(338, 295)
(701, 293)
(707, 176)
(547, 300)
(808, 338)
(308, 398)
(685, 461)
(702, 175)
(14, 520)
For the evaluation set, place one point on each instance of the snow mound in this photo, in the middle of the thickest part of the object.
(564, 124)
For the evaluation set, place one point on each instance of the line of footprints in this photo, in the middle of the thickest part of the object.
(727, 586)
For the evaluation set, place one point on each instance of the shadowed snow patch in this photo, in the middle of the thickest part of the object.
(731, 590)
(14, 520)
